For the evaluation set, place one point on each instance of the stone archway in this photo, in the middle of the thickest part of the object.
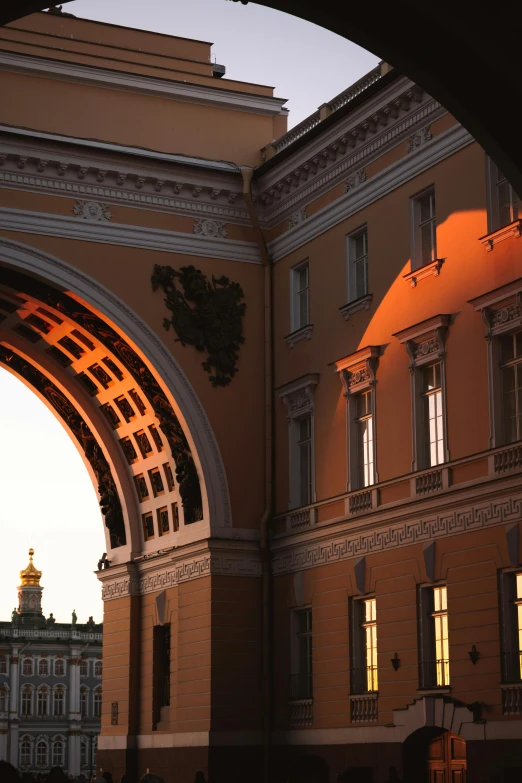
(122, 397)
(434, 755)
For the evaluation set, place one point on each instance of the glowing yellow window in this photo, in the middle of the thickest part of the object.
(370, 626)
(440, 619)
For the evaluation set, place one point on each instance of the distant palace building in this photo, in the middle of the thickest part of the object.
(50, 685)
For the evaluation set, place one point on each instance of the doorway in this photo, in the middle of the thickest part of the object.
(433, 755)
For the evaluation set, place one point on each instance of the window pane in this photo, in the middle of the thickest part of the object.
(303, 308)
(304, 473)
(518, 344)
(427, 244)
(359, 245)
(361, 273)
(504, 203)
(303, 277)
(507, 347)
(426, 207)
(304, 428)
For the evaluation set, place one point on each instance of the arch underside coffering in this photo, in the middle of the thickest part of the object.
(118, 409)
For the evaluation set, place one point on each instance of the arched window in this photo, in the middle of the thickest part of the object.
(3, 664)
(58, 754)
(41, 753)
(59, 702)
(59, 667)
(4, 699)
(43, 667)
(98, 669)
(27, 667)
(25, 753)
(84, 752)
(97, 703)
(84, 702)
(42, 702)
(27, 701)
(84, 668)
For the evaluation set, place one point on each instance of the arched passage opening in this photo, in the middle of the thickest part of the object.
(124, 417)
(434, 754)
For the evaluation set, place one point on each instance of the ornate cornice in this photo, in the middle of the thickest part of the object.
(298, 395)
(379, 185)
(162, 570)
(501, 308)
(424, 341)
(344, 150)
(357, 371)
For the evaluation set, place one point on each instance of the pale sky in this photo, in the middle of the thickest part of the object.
(47, 498)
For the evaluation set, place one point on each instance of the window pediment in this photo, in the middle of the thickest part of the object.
(425, 341)
(501, 308)
(298, 395)
(357, 370)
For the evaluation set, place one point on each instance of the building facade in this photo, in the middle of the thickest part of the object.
(292, 364)
(50, 686)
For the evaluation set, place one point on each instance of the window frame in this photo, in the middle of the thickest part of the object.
(299, 399)
(352, 260)
(42, 696)
(29, 660)
(27, 698)
(358, 375)
(417, 261)
(295, 294)
(58, 761)
(434, 673)
(59, 696)
(26, 759)
(301, 682)
(501, 311)
(364, 677)
(41, 662)
(495, 222)
(39, 742)
(97, 695)
(4, 696)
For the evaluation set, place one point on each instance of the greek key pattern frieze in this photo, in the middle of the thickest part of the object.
(347, 547)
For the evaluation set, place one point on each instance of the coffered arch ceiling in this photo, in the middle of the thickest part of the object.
(144, 438)
(466, 55)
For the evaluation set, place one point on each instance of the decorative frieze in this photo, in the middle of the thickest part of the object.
(424, 341)
(355, 180)
(210, 228)
(357, 370)
(92, 210)
(419, 138)
(297, 217)
(501, 308)
(304, 333)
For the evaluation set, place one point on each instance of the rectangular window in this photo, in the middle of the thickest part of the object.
(302, 664)
(511, 379)
(300, 305)
(358, 264)
(160, 670)
(304, 445)
(511, 626)
(365, 447)
(433, 414)
(364, 673)
(503, 206)
(434, 640)
(424, 229)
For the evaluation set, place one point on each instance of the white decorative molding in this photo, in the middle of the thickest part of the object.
(125, 235)
(501, 308)
(363, 303)
(137, 83)
(290, 556)
(382, 183)
(357, 370)
(92, 210)
(355, 180)
(424, 341)
(512, 230)
(418, 139)
(304, 333)
(210, 228)
(297, 217)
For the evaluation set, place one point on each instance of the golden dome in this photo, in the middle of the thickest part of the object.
(30, 575)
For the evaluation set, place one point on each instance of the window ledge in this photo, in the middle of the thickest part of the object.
(428, 270)
(304, 333)
(511, 230)
(363, 303)
(435, 691)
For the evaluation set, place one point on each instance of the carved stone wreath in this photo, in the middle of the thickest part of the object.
(210, 228)
(92, 210)
(207, 315)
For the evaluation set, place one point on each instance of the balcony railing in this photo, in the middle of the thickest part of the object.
(402, 490)
(301, 713)
(364, 680)
(364, 708)
(512, 667)
(511, 700)
(434, 674)
(301, 686)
